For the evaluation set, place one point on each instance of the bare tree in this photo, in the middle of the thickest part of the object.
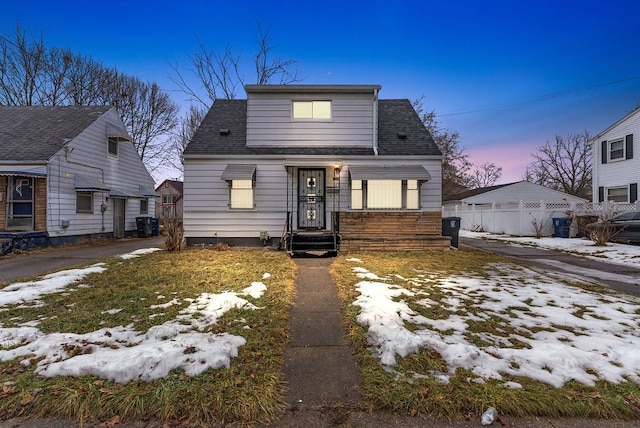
(455, 162)
(33, 74)
(564, 164)
(188, 125)
(485, 175)
(21, 66)
(219, 76)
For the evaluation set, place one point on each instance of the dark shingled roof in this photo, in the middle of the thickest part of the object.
(35, 133)
(475, 192)
(394, 116)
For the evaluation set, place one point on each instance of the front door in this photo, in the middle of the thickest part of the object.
(118, 218)
(311, 198)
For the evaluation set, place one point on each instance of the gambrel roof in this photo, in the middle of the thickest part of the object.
(400, 133)
(35, 133)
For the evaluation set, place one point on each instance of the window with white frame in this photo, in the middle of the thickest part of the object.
(241, 194)
(616, 149)
(84, 202)
(112, 146)
(311, 110)
(618, 194)
(385, 194)
(168, 205)
(144, 206)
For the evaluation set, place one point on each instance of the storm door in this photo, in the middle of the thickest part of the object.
(311, 198)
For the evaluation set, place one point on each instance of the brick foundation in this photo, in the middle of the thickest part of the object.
(392, 231)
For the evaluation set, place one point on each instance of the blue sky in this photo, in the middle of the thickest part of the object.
(507, 75)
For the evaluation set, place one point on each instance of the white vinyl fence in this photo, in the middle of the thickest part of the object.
(520, 218)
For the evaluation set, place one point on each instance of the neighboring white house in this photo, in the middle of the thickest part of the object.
(68, 172)
(513, 208)
(616, 171)
(313, 167)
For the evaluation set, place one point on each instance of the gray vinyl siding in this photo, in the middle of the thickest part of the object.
(206, 196)
(87, 156)
(206, 202)
(270, 123)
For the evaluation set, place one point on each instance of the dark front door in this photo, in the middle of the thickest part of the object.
(311, 198)
(118, 218)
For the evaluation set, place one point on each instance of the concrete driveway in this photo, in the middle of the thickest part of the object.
(39, 262)
(619, 277)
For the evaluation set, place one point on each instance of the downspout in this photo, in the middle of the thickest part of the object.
(375, 122)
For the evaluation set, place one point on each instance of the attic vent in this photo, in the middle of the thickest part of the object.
(225, 131)
(402, 135)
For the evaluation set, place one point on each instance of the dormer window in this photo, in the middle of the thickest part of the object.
(311, 110)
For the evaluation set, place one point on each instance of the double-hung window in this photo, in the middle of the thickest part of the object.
(241, 194)
(616, 149)
(112, 146)
(241, 182)
(618, 194)
(84, 202)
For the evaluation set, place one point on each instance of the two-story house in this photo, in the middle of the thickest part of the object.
(169, 201)
(616, 171)
(68, 173)
(314, 167)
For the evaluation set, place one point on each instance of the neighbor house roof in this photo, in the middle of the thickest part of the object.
(474, 192)
(35, 133)
(176, 184)
(400, 133)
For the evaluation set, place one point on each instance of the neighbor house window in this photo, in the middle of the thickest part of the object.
(616, 149)
(385, 194)
(312, 110)
(84, 202)
(144, 206)
(112, 146)
(618, 194)
(20, 201)
(241, 194)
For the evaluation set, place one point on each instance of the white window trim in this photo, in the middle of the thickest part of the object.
(142, 201)
(609, 149)
(626, 190)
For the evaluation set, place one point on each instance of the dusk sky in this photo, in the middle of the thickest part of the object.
(507, 75)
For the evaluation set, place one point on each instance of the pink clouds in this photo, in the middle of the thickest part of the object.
(512, 158)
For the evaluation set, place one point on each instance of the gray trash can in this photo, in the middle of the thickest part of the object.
(143, 225)
(451, 227)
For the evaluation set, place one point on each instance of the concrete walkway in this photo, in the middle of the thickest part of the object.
(319, 367)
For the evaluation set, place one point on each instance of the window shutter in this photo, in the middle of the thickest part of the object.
(633, 192)
(604, 151)
(600, 194)
(629, 146)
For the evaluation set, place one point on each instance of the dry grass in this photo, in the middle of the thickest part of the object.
(400, 391)
(251, 389)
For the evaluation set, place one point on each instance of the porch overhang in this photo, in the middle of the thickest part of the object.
(38, 171)
(239, 172)
(312, 163)
(88, 184)
(121, 194)
(380, 172)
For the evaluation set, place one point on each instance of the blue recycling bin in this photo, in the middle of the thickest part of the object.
(155, 226)
(561, 227)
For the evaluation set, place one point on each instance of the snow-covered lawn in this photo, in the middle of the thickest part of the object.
(543, 328)
(122, 353)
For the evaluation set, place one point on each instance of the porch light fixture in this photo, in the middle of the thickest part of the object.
(336, 172)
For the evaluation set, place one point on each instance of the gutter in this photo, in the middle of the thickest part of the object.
(375, 122)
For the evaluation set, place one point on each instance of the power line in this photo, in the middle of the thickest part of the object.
(544, 97)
